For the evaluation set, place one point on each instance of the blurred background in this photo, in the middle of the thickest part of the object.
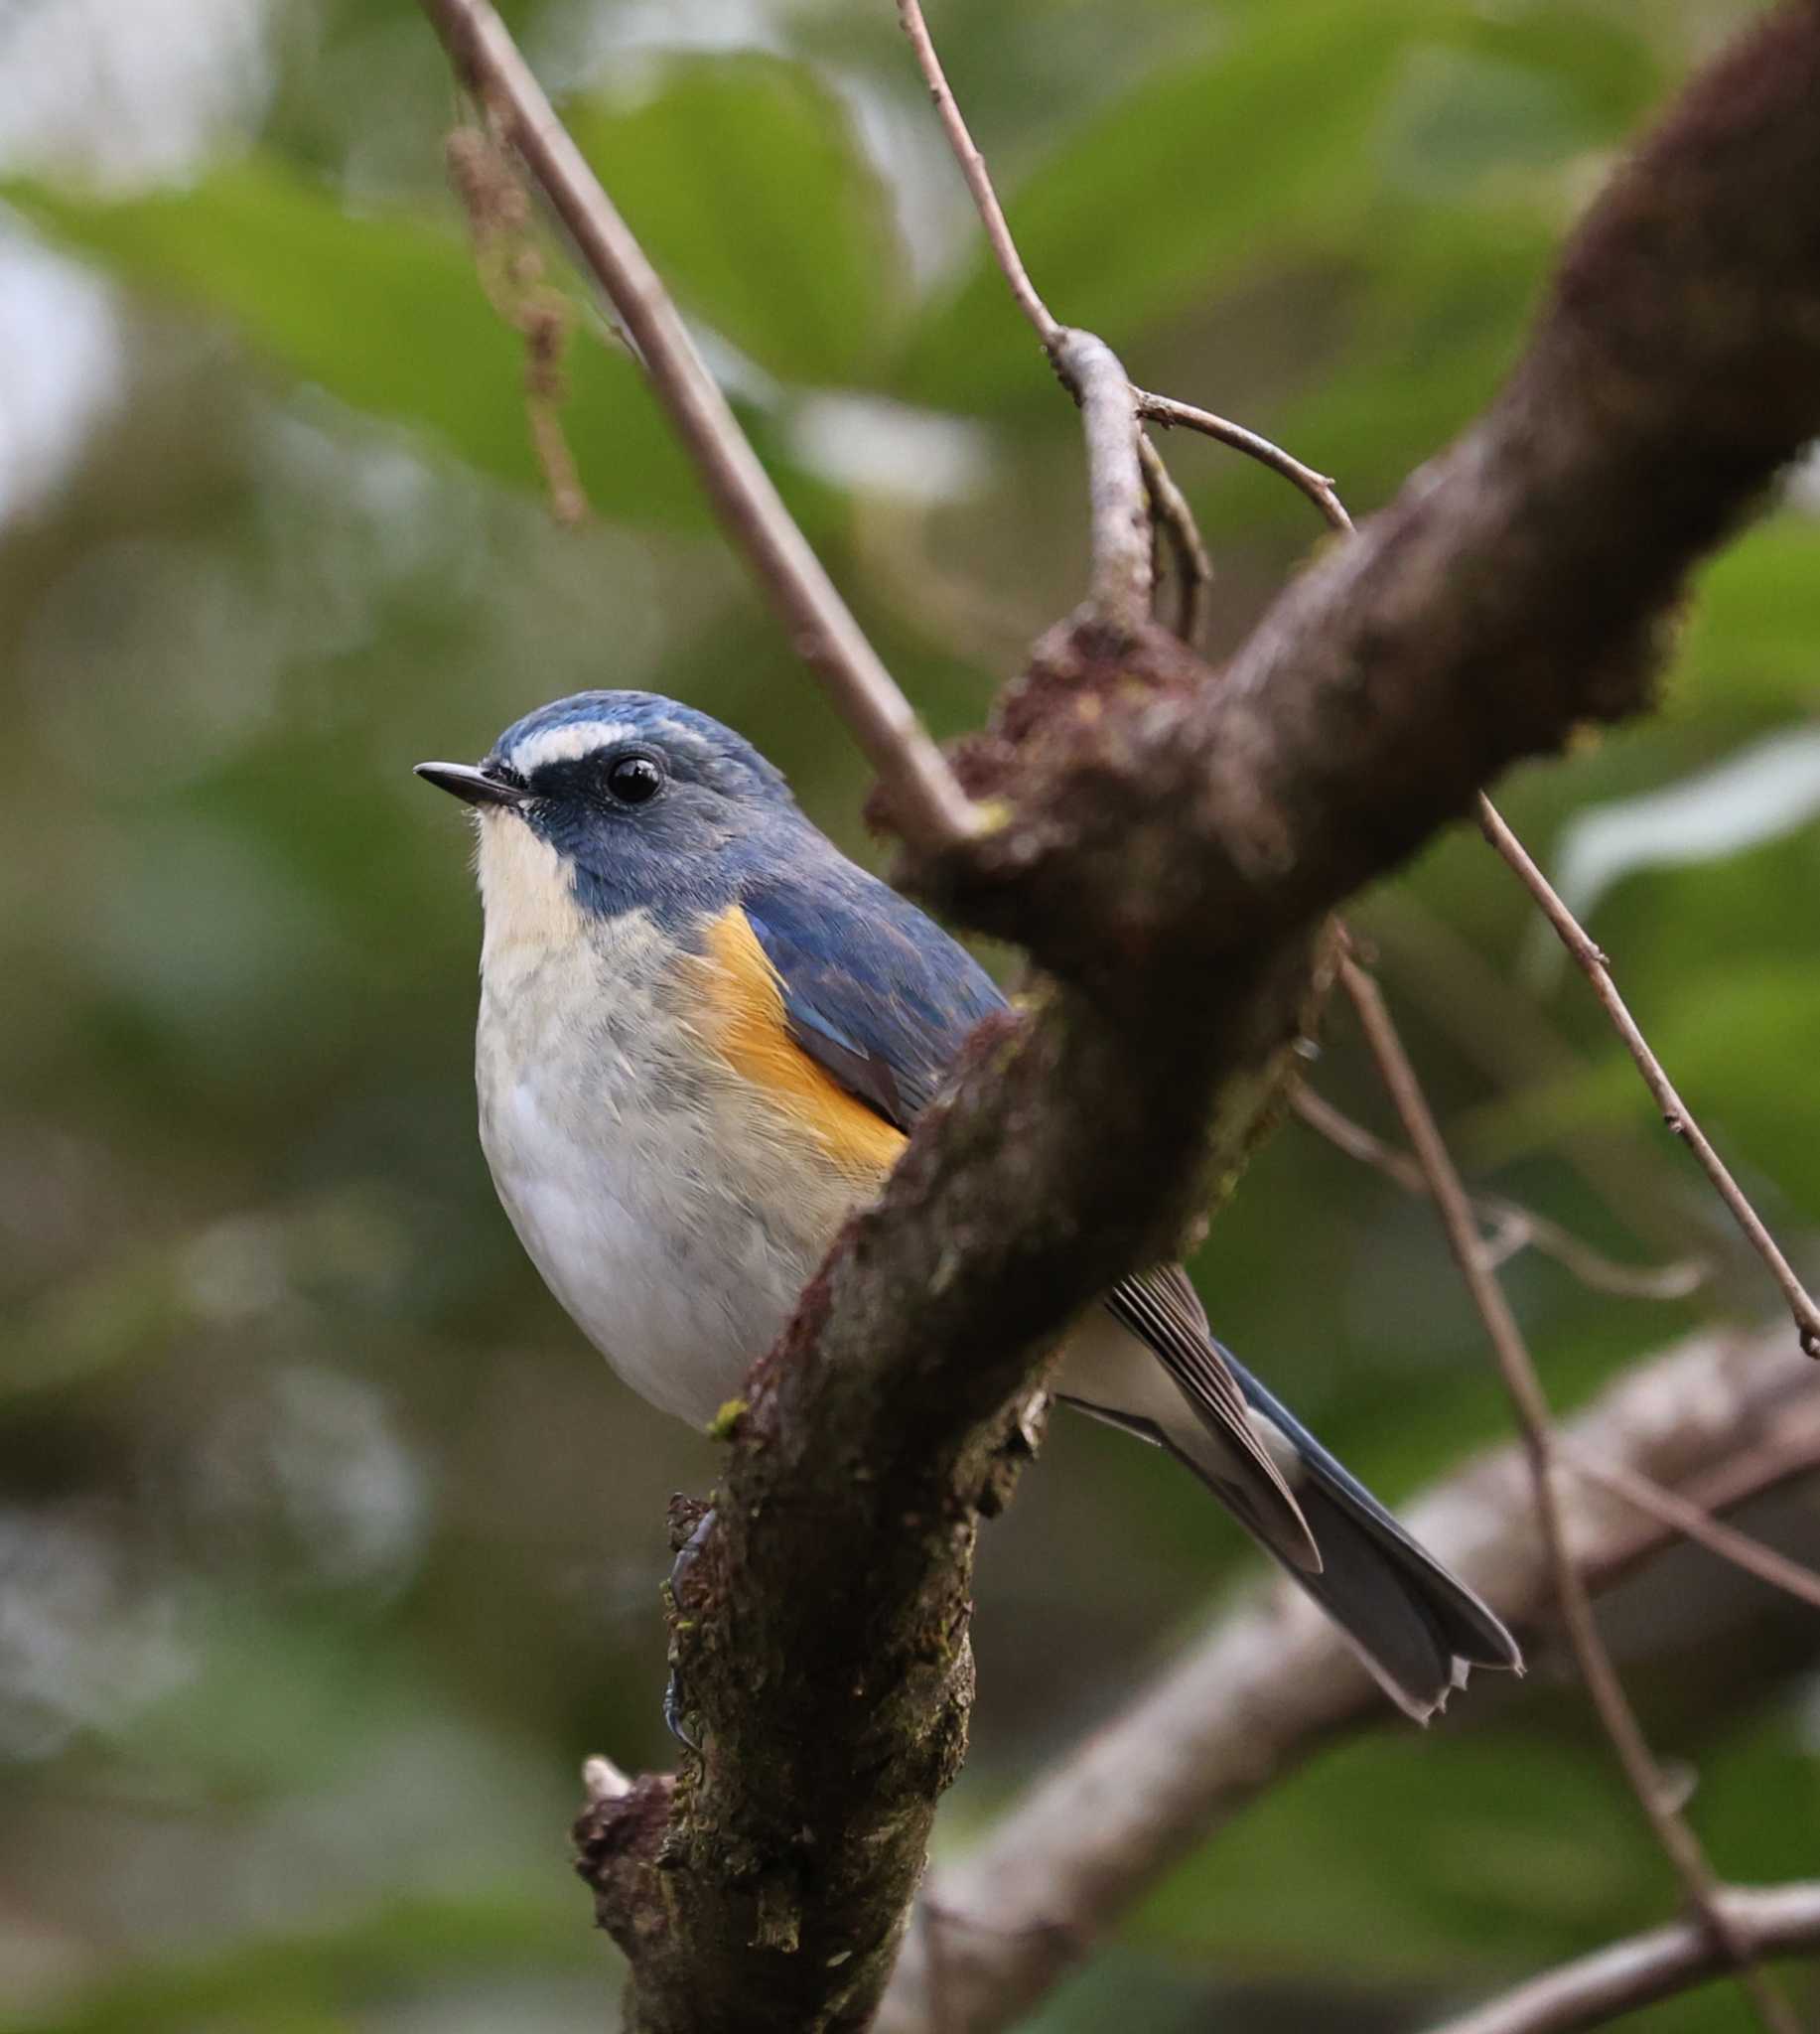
(328, 1548)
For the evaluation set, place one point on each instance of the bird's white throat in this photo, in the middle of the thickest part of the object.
(527, 892)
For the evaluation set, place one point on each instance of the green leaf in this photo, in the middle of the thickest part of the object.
(742, 177)
(384, 313)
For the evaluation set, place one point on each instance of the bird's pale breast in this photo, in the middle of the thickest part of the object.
(672, 1163)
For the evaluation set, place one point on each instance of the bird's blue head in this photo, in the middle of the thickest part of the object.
(607, 803)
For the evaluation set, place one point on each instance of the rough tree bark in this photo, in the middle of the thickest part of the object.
(1166, 845)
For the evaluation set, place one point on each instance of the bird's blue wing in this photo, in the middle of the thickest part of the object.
(872, 989)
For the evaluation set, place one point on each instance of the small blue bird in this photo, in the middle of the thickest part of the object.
(704, 1035)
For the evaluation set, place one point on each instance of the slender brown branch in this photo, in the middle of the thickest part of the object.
(979, 180)
(1514, 1226)
(925, 798)
(1681, 1514)
(1171, 515)
(1787, 1451)
(1772, 1921)
(1271, 1685)
(1536, 1423)
(1593, 964)
(1160, 409)
(1171, 414)
(1119, 585)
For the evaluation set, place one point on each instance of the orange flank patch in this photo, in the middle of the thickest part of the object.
(751, 1034)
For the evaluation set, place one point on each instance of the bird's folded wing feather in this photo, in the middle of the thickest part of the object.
(882, 998)
(873, 990)
(1163, 1310)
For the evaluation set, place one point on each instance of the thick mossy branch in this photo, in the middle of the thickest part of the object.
(1170, 847)
(822, 1638)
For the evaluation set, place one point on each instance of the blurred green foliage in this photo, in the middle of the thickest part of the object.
(327, 1550)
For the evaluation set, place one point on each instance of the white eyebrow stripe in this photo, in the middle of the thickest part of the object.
(573, 739)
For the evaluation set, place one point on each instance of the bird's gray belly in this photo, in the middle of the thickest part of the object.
(675, 1229)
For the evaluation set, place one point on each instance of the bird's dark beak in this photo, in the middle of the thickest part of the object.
(473, 787)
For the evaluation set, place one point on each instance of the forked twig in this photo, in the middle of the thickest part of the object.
(1588, 955)
(1159, 409)
(1513, 1227)
(926, 798)
(1541, 1446)
(1119, 583)
(1122, 579)
(1593, 964)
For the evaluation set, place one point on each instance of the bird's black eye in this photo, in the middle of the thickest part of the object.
(634, 780)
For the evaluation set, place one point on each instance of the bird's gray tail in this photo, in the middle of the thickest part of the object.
(1417, 1628)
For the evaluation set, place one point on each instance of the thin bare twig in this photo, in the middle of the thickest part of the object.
(1585, 952)
(1541, 1446)
(1161, 409)
(1774, 1921)
(979, 179)
(1510, 1041)
(1171, 414)
(1170, 512)
(1788, 1451)
(925, 800)
(1593, 964)
(1089, 370)
(1513, 1227)
(1681, 1514)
